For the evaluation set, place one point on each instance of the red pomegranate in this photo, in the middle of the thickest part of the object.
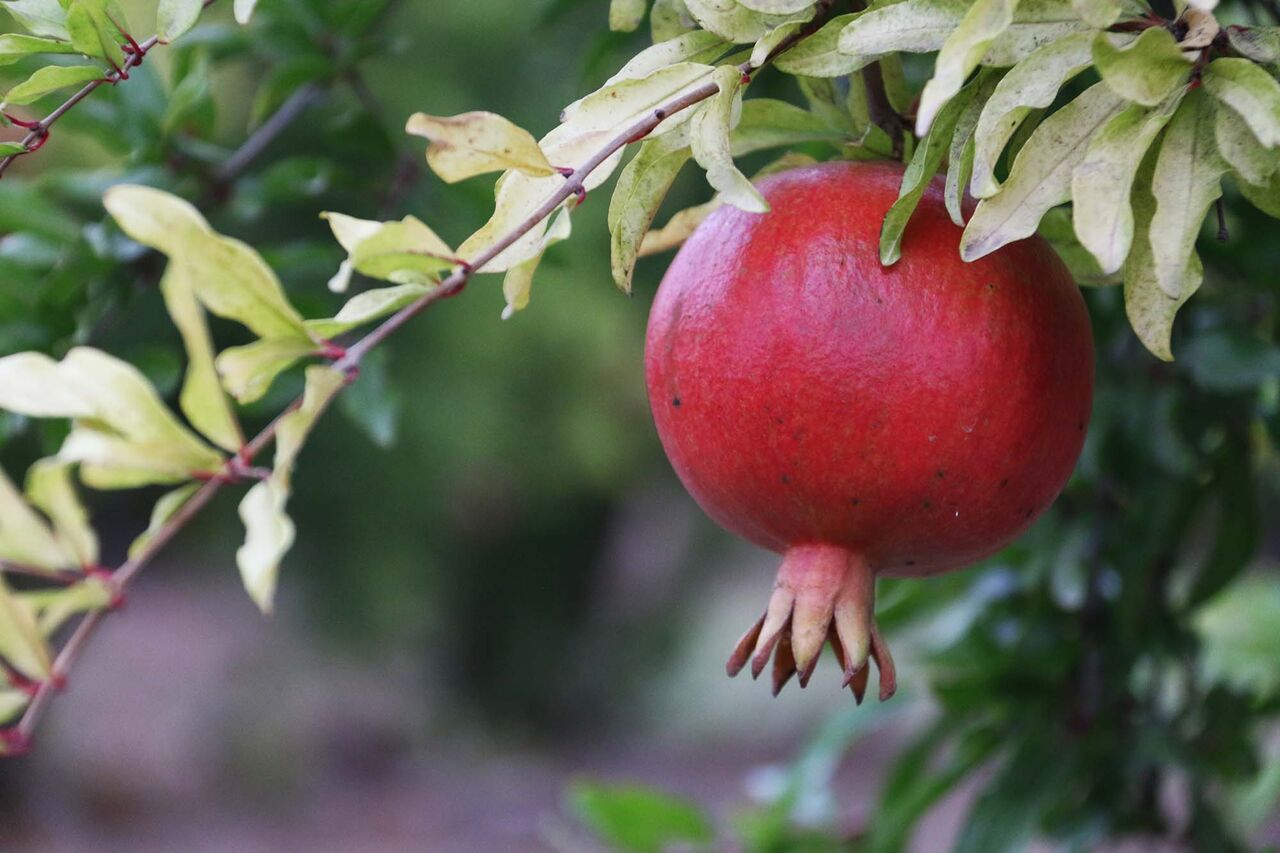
(863, 420)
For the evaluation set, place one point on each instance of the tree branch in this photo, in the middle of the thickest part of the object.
(18, 739)
(879, 108)
(280, 121)
(40, 130)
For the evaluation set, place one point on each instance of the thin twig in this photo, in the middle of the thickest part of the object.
(19, 738)
(40, 130)
(290, 111)
(879, 107)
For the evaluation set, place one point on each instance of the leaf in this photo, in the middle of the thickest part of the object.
(25, 538)
(51, 79)
(920, 173)
(244, 10)
(203, 400)
(1146, 70)
(642, 186)
(732, 20)
(1031, 84)
(122, 433)
(15, 46)
(1241, 149)
(518, 282)
(248, 371)
(1187, 181)
(698, 46)
(960, 153)
(819, 54)
(404, 252)
(367, 307)
(767, 123)
(1151, 311)
(669, 19)
(1098, 14)
(471, 144)
(1251, 92)
(53, 607)
(639, 820)
(709, 137)
(778, 7)
(772, 40)
(1265, 197)
(50, 490)
(175, 17)
(1102, 182)
(40, 17)
(1041, 175)
(165, 509)
(1056, 227)
(625, 15)
(374, 404)
(1261, 44)
(1241, 647)
(621, 103)
(94, 28)
(1036, 23)
(961, 53)
(20, 641)
(12, 704)
(678, 228)
(229, 277)
(269, 532)
(911, 26)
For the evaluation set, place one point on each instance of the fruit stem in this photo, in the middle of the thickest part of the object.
(824, 593)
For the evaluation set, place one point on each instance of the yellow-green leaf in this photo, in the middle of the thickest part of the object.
(471, 144)
(50, 79)
(50, 489)
(20, 641)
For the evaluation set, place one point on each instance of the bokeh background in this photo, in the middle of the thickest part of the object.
(505, 623)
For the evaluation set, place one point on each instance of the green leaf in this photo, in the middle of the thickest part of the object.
(248, 371)
(1041, 175)
(53, 607)
(1151, 311)
(819, 55)
(1031, 84)
(732, 20)
(778, 7)
(1187, 181)
(638, 820)
(1261, 44)
(269, 532)
(40, 17)
(14, 46)
(1251, 92)
(621, 103)
(25, 537)
(1145, 70)
(710, 139)
(677, 229)
(50, 489)
(20, 641)
(175, 17)
(642, 186)
(94, 27)
(203, 400)
(1265, 197)
(625, 15)
(1056, 227)
(471, 144)
(51, 79)
(229, 277)
(911, 26)
(1241, 645)
(244, 10)
(767, 123)
(670, 19)
(165, 509)
(1099, 14)
(1102, 182)
(123, 434)
(698, 46)
(518, 282)
(770, 41)
(404, 252)
(1241, 149)
(960, 153)
(367, 307)
(960, 54)
(921, 171)
(12, 704)
(374, 404)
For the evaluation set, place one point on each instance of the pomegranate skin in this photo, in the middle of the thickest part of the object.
(917, 417)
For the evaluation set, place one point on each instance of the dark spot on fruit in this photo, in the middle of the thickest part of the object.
(1004, 482)
(854, 502)
(1030, 512)
(785, 479)
(779, 420)
(911, 562)
(991, 286)
(1080, 426)
(941, 474)
(879, 301)
(675, 401)
(927, 505)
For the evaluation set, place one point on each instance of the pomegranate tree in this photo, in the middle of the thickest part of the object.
(858, 419)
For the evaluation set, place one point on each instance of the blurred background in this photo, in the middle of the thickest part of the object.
(505, 623)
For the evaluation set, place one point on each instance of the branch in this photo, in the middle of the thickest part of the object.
(18, 739)
(879, 108)
(39, 131)
(290, 111)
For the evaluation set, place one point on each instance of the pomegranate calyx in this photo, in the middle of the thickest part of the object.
(823, 594)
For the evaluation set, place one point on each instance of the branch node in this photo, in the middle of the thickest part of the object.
(565, 171)
(331, 351)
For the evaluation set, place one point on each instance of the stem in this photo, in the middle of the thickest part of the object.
(38, 133)
(289, 112)
(879, 107)
(349, 364)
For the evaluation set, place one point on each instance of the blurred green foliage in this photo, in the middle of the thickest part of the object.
(1129, 640)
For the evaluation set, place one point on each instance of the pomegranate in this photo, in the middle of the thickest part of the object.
(862, 420)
